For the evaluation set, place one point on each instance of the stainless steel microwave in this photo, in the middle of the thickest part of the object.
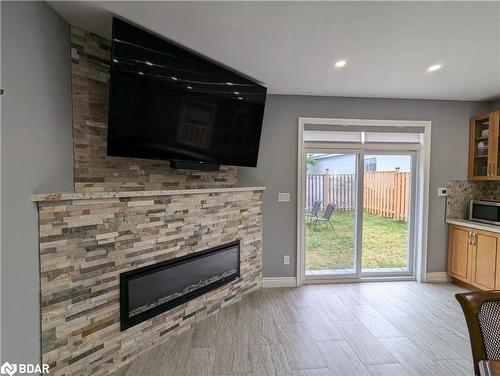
(485, 212)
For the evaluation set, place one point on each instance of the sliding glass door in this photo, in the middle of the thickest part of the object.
(387, 213)
(332, 213)
(358, 213)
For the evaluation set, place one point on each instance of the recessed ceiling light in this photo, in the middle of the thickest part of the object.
(434, 68)
(236, 92)
(340, 63)
(174, 78)
(189, 87)
(142, 74)
(240, 98)
(115, 60)
(149, 63)
(229, 83)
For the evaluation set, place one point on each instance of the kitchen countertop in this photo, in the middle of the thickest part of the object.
(476, 225)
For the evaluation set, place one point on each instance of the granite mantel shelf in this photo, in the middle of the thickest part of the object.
(47, 197)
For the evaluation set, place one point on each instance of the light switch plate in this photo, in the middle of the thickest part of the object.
(442, 192)
(286, 260)
(284, 197)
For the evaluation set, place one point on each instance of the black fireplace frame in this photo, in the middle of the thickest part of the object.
(127, 322)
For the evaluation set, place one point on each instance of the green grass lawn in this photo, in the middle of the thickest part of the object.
(385, 243)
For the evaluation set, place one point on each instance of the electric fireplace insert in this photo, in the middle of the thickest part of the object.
(151, 290)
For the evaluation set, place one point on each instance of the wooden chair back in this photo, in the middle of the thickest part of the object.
(482, 314)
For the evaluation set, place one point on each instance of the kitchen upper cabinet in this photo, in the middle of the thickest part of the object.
(484, 137)
(473, 257)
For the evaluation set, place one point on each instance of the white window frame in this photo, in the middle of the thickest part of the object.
(422, 177)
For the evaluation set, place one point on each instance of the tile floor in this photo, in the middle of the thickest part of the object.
(389, 328)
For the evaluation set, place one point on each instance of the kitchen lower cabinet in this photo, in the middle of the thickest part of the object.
(473, 257)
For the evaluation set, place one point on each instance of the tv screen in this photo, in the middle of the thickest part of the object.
(169, 103)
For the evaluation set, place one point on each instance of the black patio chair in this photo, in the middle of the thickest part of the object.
(325, 218)
(314, 210)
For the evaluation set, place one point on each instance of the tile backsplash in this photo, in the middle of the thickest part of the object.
(460, 192)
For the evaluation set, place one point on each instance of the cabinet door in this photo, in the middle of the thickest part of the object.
(459, 253)
(484, 259)
(497, 282)
(495, 141)
(483, 147)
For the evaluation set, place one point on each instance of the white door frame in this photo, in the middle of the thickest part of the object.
(422, 194)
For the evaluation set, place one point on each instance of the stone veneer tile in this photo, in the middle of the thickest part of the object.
(94, 170)
(461, 192)
(86, 244)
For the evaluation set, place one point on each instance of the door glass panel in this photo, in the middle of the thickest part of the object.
(330, 213)
(386, 207)
(481, 147)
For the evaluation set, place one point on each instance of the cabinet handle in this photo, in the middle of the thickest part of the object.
(474, 238)
(469, 241)
(488, 170)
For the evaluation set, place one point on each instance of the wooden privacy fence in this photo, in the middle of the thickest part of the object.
(385, 193)
(339, 189)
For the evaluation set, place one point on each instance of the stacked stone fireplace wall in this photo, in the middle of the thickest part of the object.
(94, 170)
(86, 243)
(128, 213)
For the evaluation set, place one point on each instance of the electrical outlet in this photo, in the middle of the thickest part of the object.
(286, 260)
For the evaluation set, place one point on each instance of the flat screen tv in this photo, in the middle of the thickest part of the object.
(169, 103)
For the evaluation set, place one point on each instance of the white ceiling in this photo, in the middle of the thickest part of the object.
(291, 46)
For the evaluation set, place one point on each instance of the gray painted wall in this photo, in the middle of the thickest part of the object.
(495, 105)
(37, 156)
(277, 167)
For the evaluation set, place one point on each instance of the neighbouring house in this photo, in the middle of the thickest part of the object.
(345, 163)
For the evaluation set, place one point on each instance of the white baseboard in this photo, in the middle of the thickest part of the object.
(279, 282)
(437, 277)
